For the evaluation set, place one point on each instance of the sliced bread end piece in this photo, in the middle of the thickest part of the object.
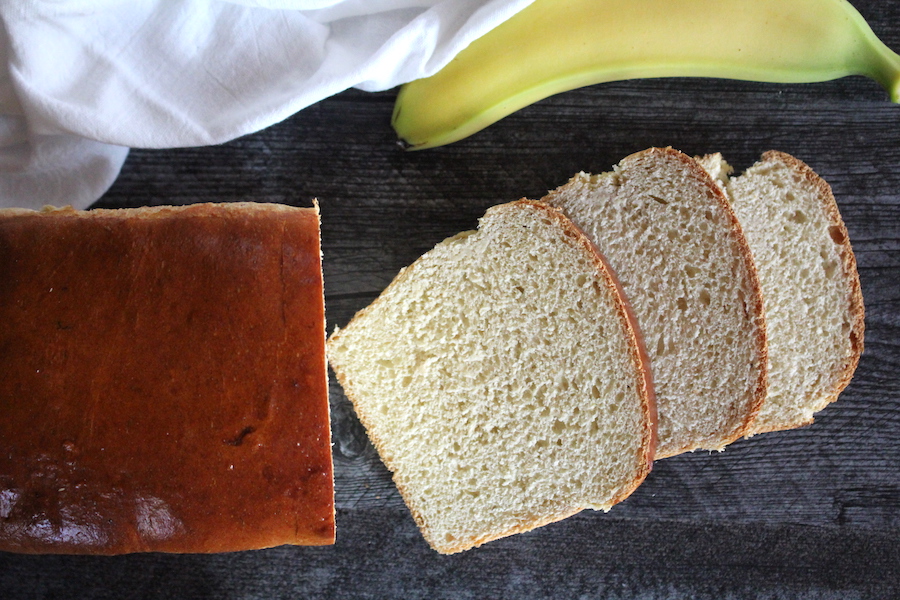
(501, 380)
(671, 237)
(811, 289)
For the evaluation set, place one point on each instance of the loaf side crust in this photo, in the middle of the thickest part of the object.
(165, 381)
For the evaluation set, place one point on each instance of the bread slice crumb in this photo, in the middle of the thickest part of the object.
(675, 244)
(810, 284)
(501, 380)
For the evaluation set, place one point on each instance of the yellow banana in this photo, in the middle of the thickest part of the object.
(557, 45)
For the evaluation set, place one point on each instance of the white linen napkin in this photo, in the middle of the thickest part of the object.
(85, 80)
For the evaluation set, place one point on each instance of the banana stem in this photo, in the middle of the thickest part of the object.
(892, 76)
(886, 70)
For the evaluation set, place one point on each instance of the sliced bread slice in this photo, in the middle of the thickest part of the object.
(807, 270)
(501, 380)
(678, 251)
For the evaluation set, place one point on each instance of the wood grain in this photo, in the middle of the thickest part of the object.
(811, 513)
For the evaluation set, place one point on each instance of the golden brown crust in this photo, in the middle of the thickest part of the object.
(475, 542)
(153, 212)
(856, 309)
(754, 302)
(638, 358)
(165, 386)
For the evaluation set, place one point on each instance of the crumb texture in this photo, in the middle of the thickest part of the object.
(810, 287)
(670, 237)
(498, 379)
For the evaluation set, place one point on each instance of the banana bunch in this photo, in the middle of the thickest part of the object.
(559, 45)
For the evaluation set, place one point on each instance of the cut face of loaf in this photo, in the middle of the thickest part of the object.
(500, 378)
(676, 247)
(813, 303)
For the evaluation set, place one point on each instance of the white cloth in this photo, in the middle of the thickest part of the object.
(85, 80)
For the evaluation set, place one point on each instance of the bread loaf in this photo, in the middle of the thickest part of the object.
(501, 380)
(811, 292)
(686, 269)
(163, 380)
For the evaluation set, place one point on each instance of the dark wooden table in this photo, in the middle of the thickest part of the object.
(812, 513)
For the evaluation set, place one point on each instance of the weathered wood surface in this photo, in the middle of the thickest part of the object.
(812, 513)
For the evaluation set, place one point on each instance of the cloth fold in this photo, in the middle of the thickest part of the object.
(87, 80)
